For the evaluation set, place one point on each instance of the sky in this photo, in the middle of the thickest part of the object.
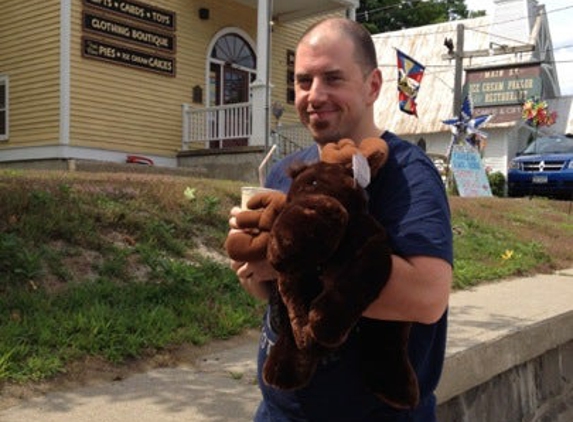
(561, 35)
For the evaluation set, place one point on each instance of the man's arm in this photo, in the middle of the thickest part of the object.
(418, 290)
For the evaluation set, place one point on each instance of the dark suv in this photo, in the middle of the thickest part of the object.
(544, 168)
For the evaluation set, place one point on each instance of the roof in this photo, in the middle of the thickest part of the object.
(289, 10)
(435, 97)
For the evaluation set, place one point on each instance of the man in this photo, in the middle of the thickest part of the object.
(336, 84)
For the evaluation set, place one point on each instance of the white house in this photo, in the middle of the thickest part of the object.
(506, 58)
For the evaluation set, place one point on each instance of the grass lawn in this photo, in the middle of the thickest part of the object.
(117, 266)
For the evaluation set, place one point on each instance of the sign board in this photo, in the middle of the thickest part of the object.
(469, 172)
(503, 85)
(500, 114)
(114, 53)
(145, 13)
(129, 33)
(102, 25)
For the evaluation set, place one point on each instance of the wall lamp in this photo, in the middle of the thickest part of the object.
(203, 13)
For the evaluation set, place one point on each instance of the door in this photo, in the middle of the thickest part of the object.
(232, 69)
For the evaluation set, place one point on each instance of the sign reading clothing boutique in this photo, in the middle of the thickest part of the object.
(501, 91)
(130, 33)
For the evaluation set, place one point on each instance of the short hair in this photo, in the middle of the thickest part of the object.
(364, 50)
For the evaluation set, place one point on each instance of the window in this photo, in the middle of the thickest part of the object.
(290, 77)
(232, 69)
(3, 108)
(232, 48)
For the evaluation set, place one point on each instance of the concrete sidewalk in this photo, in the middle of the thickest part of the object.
(220, 387)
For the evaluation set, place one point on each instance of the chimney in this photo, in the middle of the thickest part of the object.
(513, 21)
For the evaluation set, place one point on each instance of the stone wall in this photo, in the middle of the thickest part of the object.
(534, 388)
(240, 163)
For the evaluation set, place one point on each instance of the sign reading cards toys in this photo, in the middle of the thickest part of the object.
(469, 172)
(134, 10)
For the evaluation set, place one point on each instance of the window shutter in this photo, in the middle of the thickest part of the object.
(3, 109)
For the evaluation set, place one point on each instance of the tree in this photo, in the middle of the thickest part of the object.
(392, 15)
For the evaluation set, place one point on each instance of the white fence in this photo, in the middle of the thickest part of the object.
(208, 127)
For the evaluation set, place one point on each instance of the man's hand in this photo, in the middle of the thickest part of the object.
(253, 275)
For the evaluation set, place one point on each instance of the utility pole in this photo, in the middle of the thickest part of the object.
(459, 70)
(459, 55)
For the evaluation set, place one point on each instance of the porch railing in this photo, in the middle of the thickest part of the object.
(231, 125)
(217, 126)
(289, 139)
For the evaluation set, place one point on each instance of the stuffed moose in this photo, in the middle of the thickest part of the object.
(333, 259)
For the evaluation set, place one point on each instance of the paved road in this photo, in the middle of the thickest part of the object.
(220, 386)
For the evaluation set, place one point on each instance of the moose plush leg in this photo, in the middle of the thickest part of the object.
(349, 289)
(385, 365)
(287, 367)
(297, 292)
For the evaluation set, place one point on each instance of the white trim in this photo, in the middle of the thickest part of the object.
(65, 152)
(65, 64)
(5, 81)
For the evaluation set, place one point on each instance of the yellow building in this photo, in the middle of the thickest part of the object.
(106, 79)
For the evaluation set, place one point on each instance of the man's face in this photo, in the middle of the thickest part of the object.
(332, 91)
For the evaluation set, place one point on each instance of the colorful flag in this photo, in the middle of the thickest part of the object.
(410, 74)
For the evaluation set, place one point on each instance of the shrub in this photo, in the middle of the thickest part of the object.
(497, 183)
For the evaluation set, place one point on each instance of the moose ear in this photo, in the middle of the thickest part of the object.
(361, 170)
(376, 152)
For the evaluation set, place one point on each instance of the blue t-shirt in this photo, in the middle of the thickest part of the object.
(408, 198)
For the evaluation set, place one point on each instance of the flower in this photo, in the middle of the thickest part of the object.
(189, 193)
(535, 112)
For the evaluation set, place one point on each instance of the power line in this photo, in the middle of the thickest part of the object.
(492, 61)
(546, 12)
(447, 31)
(366, 13)
(436, 69)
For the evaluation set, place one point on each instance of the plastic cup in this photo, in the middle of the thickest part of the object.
(247, 192)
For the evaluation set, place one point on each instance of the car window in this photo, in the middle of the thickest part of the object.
(550, 145)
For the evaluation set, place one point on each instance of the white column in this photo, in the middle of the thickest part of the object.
(260, 87)
(185, 138)
(65, 73)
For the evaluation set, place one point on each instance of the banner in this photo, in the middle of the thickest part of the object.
(410, 74)
(469, 172)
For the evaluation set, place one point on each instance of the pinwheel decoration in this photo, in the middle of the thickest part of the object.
(466, 124)
(462, 157)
